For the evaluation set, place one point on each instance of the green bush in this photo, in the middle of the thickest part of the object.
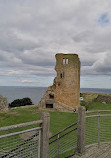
(21, 102)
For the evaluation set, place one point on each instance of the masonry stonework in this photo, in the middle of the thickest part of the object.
(3, 104)
(66, 86)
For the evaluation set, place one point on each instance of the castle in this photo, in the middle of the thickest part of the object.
(65, 90)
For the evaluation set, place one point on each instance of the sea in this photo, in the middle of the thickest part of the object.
(36, 93)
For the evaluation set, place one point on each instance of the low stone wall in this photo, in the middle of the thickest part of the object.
(3, 104)
(103, 98)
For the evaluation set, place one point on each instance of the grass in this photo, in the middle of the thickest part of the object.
(96, 105)
(60, 120)
(91, 96)
(18, 116)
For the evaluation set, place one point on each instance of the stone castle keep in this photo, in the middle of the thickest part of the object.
(65, 90)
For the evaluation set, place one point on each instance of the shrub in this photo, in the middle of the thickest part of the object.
(21, 102)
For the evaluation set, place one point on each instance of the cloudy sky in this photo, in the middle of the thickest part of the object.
(33, 31)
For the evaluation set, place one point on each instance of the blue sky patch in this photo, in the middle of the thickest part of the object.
(104, 19)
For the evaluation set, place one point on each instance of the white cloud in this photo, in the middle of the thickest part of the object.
(32, 32)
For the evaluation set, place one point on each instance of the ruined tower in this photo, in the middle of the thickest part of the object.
(66, 87)
(67, 82)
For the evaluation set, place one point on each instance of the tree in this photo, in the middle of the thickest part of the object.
(21, 102)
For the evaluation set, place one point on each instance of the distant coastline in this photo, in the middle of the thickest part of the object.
(35, 93)
(95, 90)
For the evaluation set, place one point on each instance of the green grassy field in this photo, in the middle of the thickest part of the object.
(90, 104)
(60, 120)
(24, 114)
(95, 105)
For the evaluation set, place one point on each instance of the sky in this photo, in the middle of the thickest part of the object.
(33, 31)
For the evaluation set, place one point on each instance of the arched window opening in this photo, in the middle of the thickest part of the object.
(63, 61)
(66, 61)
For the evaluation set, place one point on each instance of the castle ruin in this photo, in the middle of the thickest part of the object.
(65, 91)
(3, 104)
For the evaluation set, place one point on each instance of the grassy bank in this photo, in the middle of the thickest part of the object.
(92, 104)
(95, 105)
(91, 96)
(58, 120)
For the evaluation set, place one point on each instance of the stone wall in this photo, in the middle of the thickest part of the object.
(67, 82)
(62, 107)
(66, 86)
(3, 104)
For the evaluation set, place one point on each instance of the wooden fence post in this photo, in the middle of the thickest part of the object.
(81, 130)
(44, 134)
